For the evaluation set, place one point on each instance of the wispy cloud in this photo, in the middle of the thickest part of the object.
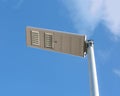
(87, 14)
(117, 72)
(16, 4)
(103, 55)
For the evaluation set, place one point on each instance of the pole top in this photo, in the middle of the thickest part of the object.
(89, 43)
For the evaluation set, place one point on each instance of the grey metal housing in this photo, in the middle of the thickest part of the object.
(64, 42)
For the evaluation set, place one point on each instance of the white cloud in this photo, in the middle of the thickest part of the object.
(86, 14)
(112, 16)
(117, 72)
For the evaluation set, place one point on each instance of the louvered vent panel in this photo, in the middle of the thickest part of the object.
(35, 37)
(48, 40)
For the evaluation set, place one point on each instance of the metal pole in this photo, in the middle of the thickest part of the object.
(94, 90)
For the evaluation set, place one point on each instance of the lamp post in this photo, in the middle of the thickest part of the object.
(94, 90)
(64, 42)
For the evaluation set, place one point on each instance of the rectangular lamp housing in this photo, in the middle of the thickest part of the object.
(58, 41)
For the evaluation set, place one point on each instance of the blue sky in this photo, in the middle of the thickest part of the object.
(27, 71)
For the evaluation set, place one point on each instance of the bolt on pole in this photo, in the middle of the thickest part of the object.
(94, 90)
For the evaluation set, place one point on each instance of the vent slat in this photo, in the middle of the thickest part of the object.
(35, 37)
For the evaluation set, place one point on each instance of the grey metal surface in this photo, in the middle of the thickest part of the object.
(56, 41)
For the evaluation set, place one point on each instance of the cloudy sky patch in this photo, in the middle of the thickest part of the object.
(87, 14)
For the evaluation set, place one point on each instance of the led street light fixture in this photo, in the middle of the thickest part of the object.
(64, 42)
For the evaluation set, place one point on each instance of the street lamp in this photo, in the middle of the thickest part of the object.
(68, 43)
